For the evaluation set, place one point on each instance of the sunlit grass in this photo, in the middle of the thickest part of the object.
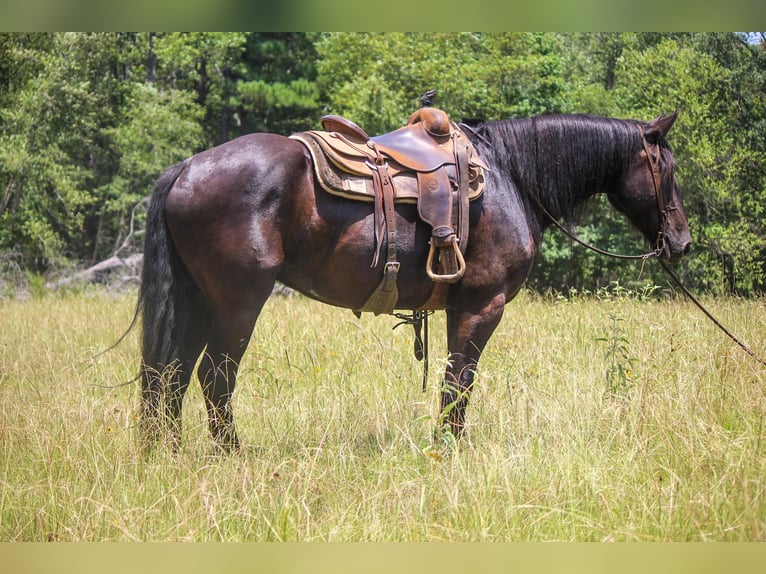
(337, 433)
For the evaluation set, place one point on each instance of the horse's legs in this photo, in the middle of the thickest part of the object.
(218, 376)
(467, 334)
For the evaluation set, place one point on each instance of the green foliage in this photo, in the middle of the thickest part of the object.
(280, 103)
(89, 120)
(707, 86)
(48, 138)
(204, 65)
(36, 285)
(377, 79)
(81, 144)
(278, 91)
(156, 129)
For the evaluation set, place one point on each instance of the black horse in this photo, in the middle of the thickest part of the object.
(227, 223)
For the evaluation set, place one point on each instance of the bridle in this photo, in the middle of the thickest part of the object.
(660, 245)
(664, 208)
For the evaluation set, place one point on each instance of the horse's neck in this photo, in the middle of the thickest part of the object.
(561, 198)
(566, 178)
(556, 163)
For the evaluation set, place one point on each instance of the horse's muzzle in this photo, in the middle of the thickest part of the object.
(671, 255)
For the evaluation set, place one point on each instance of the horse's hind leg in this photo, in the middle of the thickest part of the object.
(229, 336)
(194, 338)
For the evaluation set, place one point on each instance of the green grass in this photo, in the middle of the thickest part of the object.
(337, 433)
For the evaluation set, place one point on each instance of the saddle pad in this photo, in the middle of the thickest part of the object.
(359, 186)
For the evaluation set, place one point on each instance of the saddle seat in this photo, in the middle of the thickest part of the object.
(429, 161)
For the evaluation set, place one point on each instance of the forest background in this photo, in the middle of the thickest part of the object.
(88, 121)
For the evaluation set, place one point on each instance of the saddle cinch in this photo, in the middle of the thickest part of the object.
(429, 161)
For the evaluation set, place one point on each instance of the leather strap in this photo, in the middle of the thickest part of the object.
(389, 209)
(654, 163)
(462, 154)
(654, 167)
(386, 295)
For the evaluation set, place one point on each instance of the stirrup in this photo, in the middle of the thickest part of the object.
(449, 277)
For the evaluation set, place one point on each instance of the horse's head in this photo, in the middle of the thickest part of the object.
(650, 196)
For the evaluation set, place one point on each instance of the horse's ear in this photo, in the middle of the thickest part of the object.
(659, 127)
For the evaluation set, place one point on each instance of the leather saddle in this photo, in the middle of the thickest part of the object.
(429, 161)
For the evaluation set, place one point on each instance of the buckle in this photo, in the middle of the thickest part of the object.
(374, 166)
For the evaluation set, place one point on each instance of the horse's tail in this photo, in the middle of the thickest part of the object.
(162, 298)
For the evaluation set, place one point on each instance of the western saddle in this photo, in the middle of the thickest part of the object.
(429, 161)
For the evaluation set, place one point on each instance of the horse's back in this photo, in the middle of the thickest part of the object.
(240, 163)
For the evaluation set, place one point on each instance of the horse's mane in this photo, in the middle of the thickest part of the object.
(554, 159)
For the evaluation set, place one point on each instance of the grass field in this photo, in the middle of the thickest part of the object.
(594, 419)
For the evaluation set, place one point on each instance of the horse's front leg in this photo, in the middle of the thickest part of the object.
(468, 331)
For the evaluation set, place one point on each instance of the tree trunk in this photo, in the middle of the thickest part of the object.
(151, 61)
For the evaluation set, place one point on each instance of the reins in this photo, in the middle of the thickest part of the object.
(659, 248)
(644, 256)
(702, 308)
(676, 280)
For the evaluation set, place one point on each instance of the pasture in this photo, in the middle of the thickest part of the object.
(612, 417)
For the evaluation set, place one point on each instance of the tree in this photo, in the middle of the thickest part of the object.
(81, 140)
(716, 81)
(207, 65)
(49, 149)
(377, 79)
(155, 129)
(278, 92)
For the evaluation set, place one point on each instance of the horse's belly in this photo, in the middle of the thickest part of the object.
(342, 274)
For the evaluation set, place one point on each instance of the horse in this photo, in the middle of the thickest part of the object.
(227, 223)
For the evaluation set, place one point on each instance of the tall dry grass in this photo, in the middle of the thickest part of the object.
(337, 434)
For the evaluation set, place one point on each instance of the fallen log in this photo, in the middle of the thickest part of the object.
(125, 269)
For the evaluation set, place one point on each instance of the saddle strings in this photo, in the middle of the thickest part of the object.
(418, 319)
